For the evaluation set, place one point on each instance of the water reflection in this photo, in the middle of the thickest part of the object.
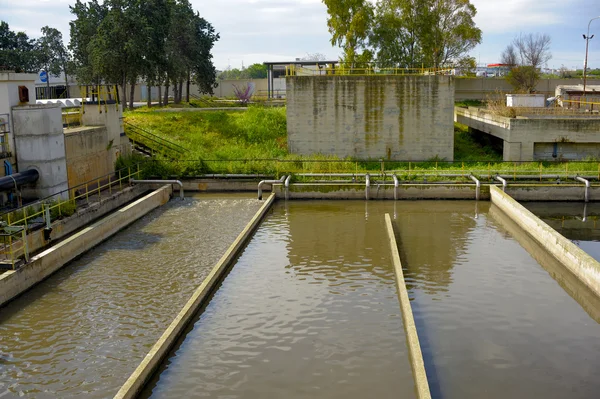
(492, 322)
(84, 330)
(309, 310)
(576, 221)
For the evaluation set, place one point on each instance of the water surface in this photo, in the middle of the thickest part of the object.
(309, 310)
(83, 331)
(492, 321)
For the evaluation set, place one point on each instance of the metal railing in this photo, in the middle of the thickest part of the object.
(405, 170)
(33, 215)
(13, 247)
(294, 70)
(152, 142)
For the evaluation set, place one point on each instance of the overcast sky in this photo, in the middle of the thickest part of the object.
(273, 30)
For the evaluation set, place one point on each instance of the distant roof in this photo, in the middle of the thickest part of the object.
(499, 65)
(300, 62)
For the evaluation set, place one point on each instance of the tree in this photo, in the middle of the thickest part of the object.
(349, 23)
(53, 55)
(528, 53)
(17, 50)
(83, 28)
(256, 71)
(450, 32)
(407, 33)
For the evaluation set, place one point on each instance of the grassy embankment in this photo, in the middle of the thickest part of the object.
(254, 141)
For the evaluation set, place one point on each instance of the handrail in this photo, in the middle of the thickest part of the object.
(178, 182)
(160, 141)
(587, 186)
(477, 186)
(287, 186)
(73, 193)
(260, 184)
(396, 184)
(502, 180)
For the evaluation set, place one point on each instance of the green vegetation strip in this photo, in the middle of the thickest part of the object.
(255, 142)
(161, 348)
(412, 337)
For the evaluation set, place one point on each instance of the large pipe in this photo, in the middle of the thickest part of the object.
(260, 184)
(477, 185)
(179, 183)
(587, 186)
(11, 182)
(367, 185)
(502, 180)
(396, 184)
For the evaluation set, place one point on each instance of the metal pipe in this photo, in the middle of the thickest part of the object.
(260, 184)
(477, 185)
(367, 185)
(10, 182)
(287, 186)
(396, 184)
(133, 181)
(500, 179)
(337, 174)
(587, 186)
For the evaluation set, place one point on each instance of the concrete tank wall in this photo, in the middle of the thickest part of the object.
(86, 153)
(40, 144)
(111, 117)
(391, 117)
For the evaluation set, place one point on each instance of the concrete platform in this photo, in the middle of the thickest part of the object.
(541, 137)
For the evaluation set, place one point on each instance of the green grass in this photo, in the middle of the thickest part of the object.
(255, 141)
(469, 103)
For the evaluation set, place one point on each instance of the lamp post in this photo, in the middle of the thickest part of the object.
(587, 43)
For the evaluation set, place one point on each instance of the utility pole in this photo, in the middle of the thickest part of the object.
(587, 43)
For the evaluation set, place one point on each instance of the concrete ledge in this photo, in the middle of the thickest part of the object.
(571, 284)
(15, 282)
(64, 227)
(577, 261)
(222, 185)
(412, 337)
(161, 348)
(551, 192)
(357, 191)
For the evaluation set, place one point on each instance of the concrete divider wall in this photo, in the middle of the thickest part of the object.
(83, 217)
(161, 348)
(15, 282)
(577, 261)
(412, 337)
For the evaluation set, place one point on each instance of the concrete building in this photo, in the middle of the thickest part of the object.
(379, 116)
(33, 138)
(537, 137)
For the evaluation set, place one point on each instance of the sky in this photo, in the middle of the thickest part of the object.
(281, 30)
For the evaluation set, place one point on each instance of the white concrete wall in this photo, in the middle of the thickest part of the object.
(390, 117)
(40, 144)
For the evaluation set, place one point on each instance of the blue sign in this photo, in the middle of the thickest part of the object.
(43, 76)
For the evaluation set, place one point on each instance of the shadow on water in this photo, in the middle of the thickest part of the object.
(571, 284)
(424, 340)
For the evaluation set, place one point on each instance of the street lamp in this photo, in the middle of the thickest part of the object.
(587, 42)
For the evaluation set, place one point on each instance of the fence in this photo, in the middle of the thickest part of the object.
(294, 70)
(407, 170)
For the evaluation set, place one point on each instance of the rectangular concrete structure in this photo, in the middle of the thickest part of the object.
(371, 117)
(577, 261)
(545, 137)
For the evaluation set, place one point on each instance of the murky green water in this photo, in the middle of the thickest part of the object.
(82, 332)
(577, 221)
(309, 310)
(492, 321)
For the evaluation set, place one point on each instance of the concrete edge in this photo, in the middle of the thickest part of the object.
(135, 383)
(412, 337)
(15, 282)
(576, 260)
